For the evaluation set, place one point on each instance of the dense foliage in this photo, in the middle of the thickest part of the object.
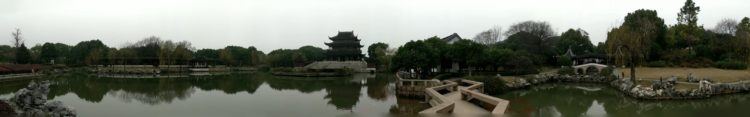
(527, 46)
(377, 55)
(295, 57)
(23, 56)
(685, 44)
(492, 85)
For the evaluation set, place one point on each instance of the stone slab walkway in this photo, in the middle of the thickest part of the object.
(463, 107)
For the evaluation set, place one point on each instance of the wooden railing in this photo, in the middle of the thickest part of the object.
(476, 91)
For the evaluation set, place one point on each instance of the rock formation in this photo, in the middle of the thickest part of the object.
(32, 102)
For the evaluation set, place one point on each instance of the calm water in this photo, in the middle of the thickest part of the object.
(263, 95)
(256, 95)
(572, 100)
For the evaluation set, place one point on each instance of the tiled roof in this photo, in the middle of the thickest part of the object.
(452, 36)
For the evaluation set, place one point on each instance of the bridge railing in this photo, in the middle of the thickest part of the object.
(439, 103)
(415, 82)
(476, 91)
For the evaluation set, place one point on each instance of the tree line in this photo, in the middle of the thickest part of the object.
(523, 48)
(530, 45)
(153, 51)
(685, 44)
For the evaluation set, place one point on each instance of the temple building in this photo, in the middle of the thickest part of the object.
(453, 38)
(345, 47)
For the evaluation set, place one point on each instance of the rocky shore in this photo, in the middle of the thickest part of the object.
(31, 101)
(658, 90)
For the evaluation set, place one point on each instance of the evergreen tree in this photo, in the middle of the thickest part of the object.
(49, 52)
(688, 14)
(23, 56)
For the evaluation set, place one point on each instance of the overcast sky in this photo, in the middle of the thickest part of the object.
(273, 24)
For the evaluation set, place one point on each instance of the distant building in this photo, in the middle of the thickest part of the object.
(450, 39)
(343, 53)
(453, 38)
(345, 47)
(586, 58)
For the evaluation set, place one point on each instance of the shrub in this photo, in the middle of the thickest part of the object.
(567, 70)
(492, 85)
(730, 64)
(608, 71)
(656, 64)
(282, 69)
(564, 61)
(448, 76)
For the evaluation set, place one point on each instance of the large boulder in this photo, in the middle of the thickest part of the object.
(57, 109)
(643, 92)
(34, 96)
(31, 101)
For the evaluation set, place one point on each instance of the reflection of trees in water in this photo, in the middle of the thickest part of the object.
(9, 87)
(565, 101)
(378, 88)
(571, 101)
(301, 84)
(408, 107)
(343, 93)
(230, 84)
(148, 91)
(152, 99)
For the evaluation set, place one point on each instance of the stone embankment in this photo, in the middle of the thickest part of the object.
(659, 89)
(32, 102)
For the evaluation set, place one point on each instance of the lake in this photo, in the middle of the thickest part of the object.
(573, 100)
(249, 94)
(265, 95)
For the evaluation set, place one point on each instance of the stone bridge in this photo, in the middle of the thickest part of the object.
(456, 97)
(585, 68)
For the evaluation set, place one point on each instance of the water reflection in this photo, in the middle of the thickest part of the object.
(571, 100)
(342, 93)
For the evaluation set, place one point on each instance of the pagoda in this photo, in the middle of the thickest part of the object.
(345, 47)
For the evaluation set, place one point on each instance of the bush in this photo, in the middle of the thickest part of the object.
(520, 65)
(656, 64)
(698, 63)
(608, 71)
(564, 61)
(492, 85)
(282, 69)
(731, 64)
(567, 70)
(448, 76)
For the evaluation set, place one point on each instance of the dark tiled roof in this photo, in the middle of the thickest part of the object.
(346, 35)
(452, 36)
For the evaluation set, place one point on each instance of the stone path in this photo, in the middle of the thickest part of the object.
(463, 107)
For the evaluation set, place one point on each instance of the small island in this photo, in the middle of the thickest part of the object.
(343, 58)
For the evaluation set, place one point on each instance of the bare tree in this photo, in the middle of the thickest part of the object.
(17, 40)
(726, 26)
(489, 36)
(540, 29)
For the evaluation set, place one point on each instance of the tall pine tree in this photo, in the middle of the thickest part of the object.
(23, 56)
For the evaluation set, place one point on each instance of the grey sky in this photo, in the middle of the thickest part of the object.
(273, 24)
